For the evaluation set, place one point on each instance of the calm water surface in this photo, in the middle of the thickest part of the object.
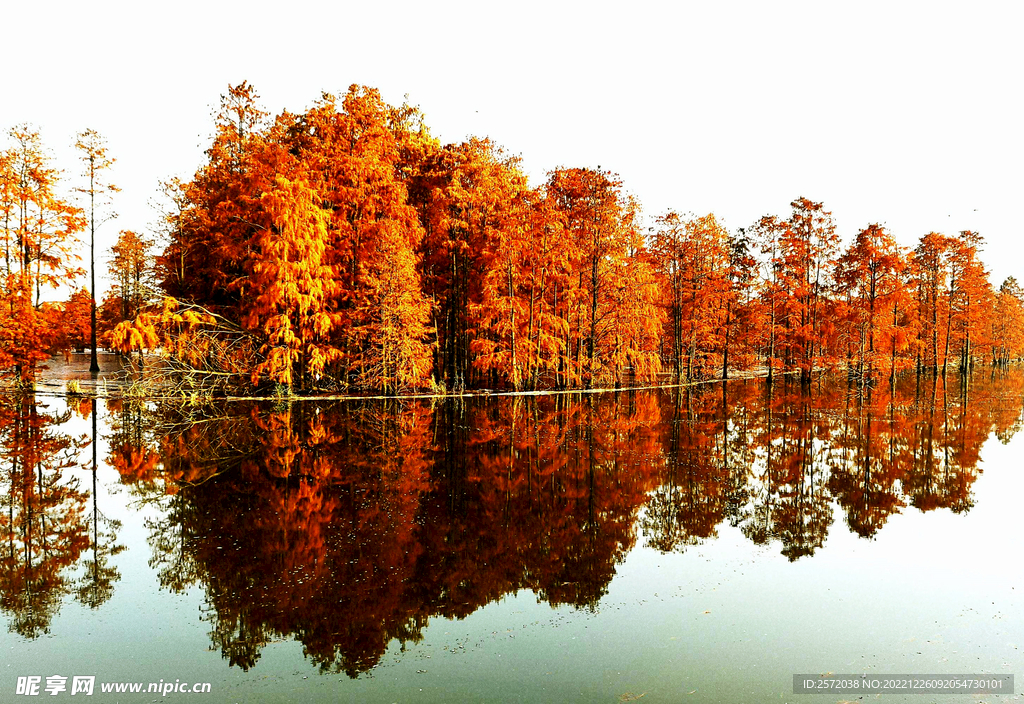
(700, 546)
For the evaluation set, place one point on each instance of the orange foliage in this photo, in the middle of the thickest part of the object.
(290, 286)
(38, 232)
(346, 248)
(693, 257)
(879, 311)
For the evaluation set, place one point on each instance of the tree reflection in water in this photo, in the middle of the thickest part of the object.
(43, 523)
(347, 527)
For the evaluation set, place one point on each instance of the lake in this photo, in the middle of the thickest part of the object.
(702, 544)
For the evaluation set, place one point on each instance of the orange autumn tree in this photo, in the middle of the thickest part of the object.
(810, 245)
(393, 355)
(290, 285)
(547, 273)
(1006, 324)
(504, 316)
(469, 191)
(299, 235)
(872, 272)
(771, 286)
(212, 216)
(743, 317)
(132, 286)
(39, 229)
(75, 325)
(353, 159)
(636, 321)
(694, 259)
(795, 285)
(971, 300)
(930, 269)
(132, 289)
(600, 241)
(521, 336)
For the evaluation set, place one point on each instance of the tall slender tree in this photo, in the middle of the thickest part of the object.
(94, 156)
(931, 271)
(131, 274)
(1007, 323)
(970, 299)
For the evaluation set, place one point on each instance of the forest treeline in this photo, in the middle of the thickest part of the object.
(345, 247)
(348, 526)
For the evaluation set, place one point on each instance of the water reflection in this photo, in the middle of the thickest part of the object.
(43, 522)
(97, 585)
(347, 526)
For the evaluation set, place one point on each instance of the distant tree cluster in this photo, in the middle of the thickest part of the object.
(41, 227)
(347, 248)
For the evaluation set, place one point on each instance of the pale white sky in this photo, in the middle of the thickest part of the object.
(908, 114)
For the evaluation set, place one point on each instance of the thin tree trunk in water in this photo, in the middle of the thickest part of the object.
(945, 347)
(935, 328)
(771, 345)
(94, 364)
(725, 348)
(892, 368)
(515, 368)
(593, 318)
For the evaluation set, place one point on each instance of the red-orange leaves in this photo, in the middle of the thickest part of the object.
(600, 243)
(290, 285)
(38, 229)
(376, 307)
(393, 356)
(470, 192)
(346, 248)
(506, 315)
(872, 273)
(693, 259)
